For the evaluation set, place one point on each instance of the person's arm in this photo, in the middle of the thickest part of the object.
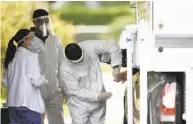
(34, 72)
(105, 47)
(71, 87)
(111, 47)
(60, 58)
(60, 51)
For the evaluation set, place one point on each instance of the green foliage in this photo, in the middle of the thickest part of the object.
(85, 16)
(15, 15)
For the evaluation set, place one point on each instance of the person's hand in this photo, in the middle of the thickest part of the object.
(124, 76)
(119, 77)
(103, 96)
(116, 74)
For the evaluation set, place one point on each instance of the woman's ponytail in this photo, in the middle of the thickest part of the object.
(10, 53)
(11, 49)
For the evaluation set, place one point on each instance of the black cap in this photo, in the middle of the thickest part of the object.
(21, 34)
(39, 13)
(73, 51)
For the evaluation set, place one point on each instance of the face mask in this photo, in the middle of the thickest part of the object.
(35, 46)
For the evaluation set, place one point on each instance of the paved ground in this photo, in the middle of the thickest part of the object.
(114, 113)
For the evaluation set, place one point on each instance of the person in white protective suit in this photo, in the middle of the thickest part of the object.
(81, 77)
(50, 60)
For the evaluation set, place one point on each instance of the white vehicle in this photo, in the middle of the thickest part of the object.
(161, 46)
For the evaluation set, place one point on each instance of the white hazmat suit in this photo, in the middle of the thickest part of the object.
(50, 60)
(83, 81)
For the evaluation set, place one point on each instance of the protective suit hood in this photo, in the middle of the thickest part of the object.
(79, 69)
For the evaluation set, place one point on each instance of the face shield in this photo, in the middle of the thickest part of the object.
(34, 45)
(44, 25)
(30, 36)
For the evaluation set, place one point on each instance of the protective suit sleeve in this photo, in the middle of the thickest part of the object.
(108, 46)
(34, 71)
(5, 79)
(60, 52)
(71, 86)
(60, 58)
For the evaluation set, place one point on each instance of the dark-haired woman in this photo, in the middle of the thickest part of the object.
(22, 78)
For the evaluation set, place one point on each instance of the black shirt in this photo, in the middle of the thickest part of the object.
(41, 37)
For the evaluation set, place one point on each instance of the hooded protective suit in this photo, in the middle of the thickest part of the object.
(50, 60)
(83, 81)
